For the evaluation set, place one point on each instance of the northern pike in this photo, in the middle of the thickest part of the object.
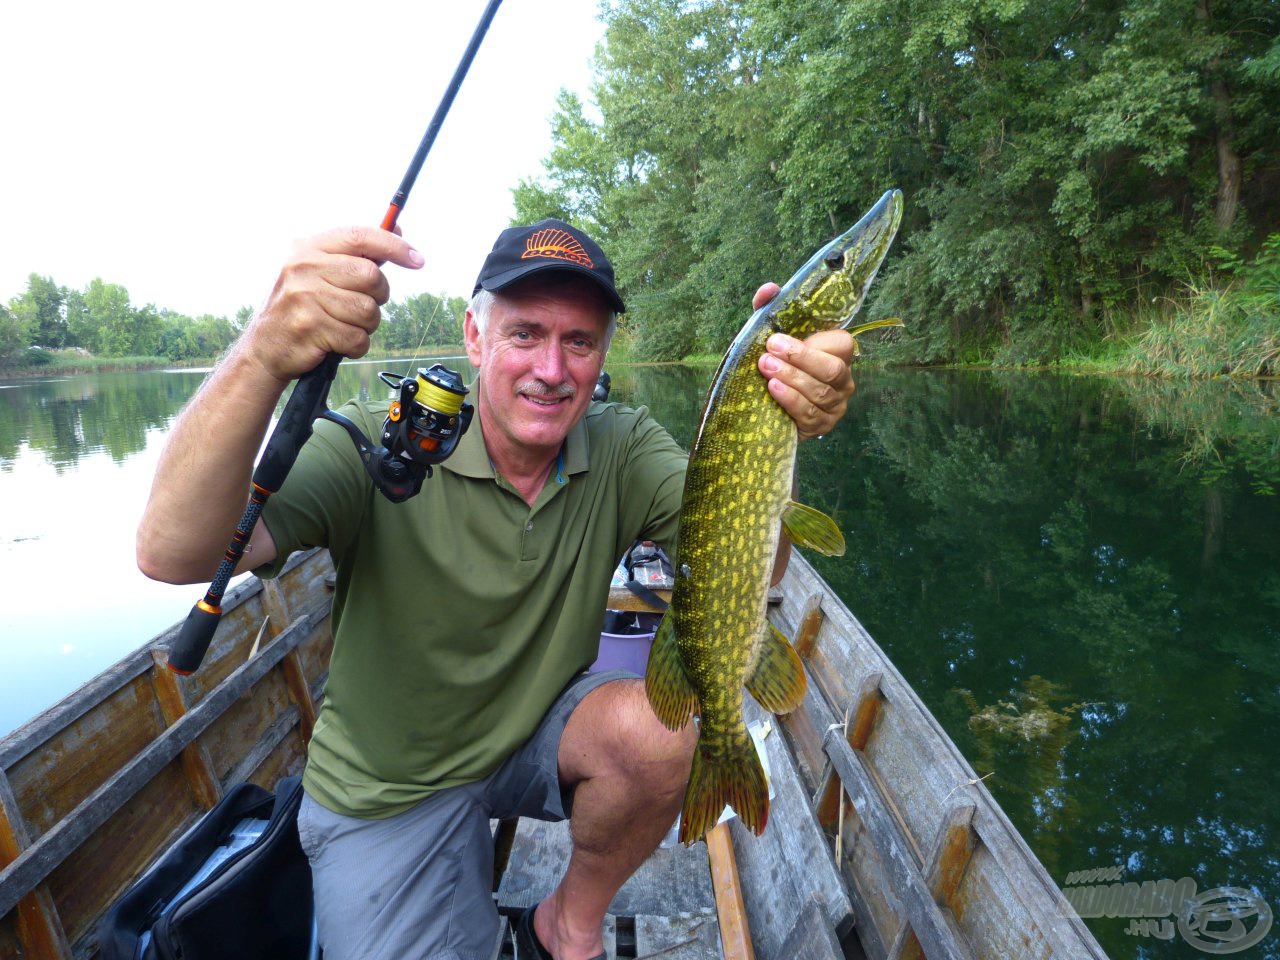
(715, 638)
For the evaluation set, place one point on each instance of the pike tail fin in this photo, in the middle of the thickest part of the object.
(736, 779)
(666, 681)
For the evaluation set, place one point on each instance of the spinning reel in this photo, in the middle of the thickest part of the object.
(422, 428)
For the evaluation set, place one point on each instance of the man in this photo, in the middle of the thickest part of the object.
(465, 617)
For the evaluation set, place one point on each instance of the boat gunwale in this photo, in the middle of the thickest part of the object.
(44, 726)
(53, 847)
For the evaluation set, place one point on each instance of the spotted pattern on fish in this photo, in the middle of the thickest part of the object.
(714, 639)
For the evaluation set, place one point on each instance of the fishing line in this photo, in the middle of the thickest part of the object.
(308, 403)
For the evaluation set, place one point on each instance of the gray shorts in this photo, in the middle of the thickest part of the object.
(419, 885)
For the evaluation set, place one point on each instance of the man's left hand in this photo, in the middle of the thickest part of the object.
(810, 379)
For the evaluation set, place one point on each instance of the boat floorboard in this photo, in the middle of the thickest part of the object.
(666, 909)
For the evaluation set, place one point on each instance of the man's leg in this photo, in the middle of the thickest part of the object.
(626, 773)
(415, 886)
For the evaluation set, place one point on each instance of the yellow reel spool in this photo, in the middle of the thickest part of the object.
(439, 398)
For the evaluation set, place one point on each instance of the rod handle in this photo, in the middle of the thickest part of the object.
(194, 638)
(306, 403)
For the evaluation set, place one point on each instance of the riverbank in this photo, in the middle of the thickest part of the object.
(67, 363)
(1209, 333)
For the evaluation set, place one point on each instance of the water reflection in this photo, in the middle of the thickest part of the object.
(1079, 579)
(66, 419)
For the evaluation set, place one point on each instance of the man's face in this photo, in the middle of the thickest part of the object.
(539, 358)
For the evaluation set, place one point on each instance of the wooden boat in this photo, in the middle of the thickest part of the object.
(881, 843)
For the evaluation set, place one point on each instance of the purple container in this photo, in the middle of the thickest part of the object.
(623, 651)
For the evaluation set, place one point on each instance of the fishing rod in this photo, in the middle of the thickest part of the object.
(423, 425)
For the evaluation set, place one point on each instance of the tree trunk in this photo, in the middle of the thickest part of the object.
(1229, 163)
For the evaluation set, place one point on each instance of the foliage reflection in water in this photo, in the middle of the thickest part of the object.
(1078, 577)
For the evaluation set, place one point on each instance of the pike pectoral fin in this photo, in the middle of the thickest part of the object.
(666, 681)
(812, 528)
(873, 325)
(734, 779)
(876, 325)
(777, 680)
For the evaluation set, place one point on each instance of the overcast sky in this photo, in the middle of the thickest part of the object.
(179, 149)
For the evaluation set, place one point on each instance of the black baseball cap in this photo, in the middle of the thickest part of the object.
(521, 252)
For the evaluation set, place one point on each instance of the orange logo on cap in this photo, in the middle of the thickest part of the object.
(558, 245)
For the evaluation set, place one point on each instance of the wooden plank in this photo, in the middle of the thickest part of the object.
(936, 934)
(247, 720)
(266, 746)
(39, 927)
(52, 781)
(735, 936)
(34, 734)
(304, 573)
(865, 713)
(295, 679)
(952, 851)
(620, 598)
(683, 936)
(195, 759)
(85, 883)
(276, 605)
(812, 937)
(918, 767)
(805, 639)
(793, 846)
(35, 863)
(674, 879)
(13, 834)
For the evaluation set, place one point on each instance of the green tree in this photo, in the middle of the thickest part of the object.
(15, 337)
(425, 320)
(80, 329)
(1063, 164)
(109, 317)
(42, 309)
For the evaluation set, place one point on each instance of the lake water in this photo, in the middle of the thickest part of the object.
(1078, 576)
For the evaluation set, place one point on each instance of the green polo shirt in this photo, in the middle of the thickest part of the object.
(460, 614)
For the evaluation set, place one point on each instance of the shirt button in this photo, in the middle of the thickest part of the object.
(528, 526)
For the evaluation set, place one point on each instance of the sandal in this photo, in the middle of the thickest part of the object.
(528, 946)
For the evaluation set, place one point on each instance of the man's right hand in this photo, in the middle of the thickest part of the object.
(325, 300)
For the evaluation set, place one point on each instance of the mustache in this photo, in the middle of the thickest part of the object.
(544, 390)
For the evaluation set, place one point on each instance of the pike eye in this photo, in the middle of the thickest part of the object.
(835, 261)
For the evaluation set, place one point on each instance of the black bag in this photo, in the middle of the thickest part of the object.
(254, 905)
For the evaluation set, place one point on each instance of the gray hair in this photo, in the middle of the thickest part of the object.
(482, 302)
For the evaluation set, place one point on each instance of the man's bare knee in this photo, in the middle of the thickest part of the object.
(614, 732)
